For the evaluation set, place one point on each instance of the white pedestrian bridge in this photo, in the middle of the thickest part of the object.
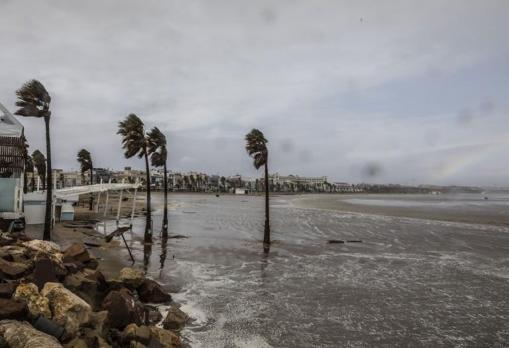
(65, 199)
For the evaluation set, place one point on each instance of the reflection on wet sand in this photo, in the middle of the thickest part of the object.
(164, 251)
(147, 253)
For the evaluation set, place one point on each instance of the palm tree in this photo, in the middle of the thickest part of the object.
(256, 147)
(85, 160)
(34, 101)
(223, 182)
(29, 168)
(158, 156)
(134, 142)
(40, 165)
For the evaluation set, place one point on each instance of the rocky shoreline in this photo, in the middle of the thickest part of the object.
(58, 298)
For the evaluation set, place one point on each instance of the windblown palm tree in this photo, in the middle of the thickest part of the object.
(40, 165)
(29, 168)
(256, 147)
(34, 101)
(85, 160)
(134, 142)
(158, 156)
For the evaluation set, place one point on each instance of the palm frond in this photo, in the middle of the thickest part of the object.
(156, 147)
(33, 100)
(133, 136)
(256, 147)
(85, 160)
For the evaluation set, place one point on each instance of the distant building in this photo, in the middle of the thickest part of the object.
(342, 187)
(102, 174)
(12, 167)
(74, 178)
(291, 183)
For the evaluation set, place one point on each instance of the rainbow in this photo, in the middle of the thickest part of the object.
(461, 162)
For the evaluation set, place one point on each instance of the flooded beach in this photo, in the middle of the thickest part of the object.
(411, 282)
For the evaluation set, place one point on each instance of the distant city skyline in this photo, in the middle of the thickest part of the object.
(405, 92)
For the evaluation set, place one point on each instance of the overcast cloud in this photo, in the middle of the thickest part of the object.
(377, 91)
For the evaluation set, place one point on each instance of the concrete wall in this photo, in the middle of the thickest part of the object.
(35, 207)
(8, 194)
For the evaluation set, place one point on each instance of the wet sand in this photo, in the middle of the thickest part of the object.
(468, 208)
(412, 282)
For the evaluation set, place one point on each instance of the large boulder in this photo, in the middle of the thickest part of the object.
(89, 285)
(68, 309)
(131, 277)
(12, 309)
(133, 332)
(37, 304)
(150, 291)
(44, 249)
(14, 253)
(99, 321)
(166, 338)
(150, 336)
(44, 246)
(12, 270)
(20, 334)
(175, 319)
(76, 343)
(94, 339)
(44, 271)
(122, 309)
(76, 252)
(7, 289)
(153, 316)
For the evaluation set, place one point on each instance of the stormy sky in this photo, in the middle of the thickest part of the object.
(407, 92)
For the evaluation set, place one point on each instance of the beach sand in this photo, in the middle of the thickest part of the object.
(475, 209)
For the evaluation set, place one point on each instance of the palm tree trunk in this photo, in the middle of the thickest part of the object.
(266, 234)
(49, 185)
(148, 227)
(25, 183)
(165, 209)
(91, 198)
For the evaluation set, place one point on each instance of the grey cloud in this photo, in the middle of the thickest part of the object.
(206, 72)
